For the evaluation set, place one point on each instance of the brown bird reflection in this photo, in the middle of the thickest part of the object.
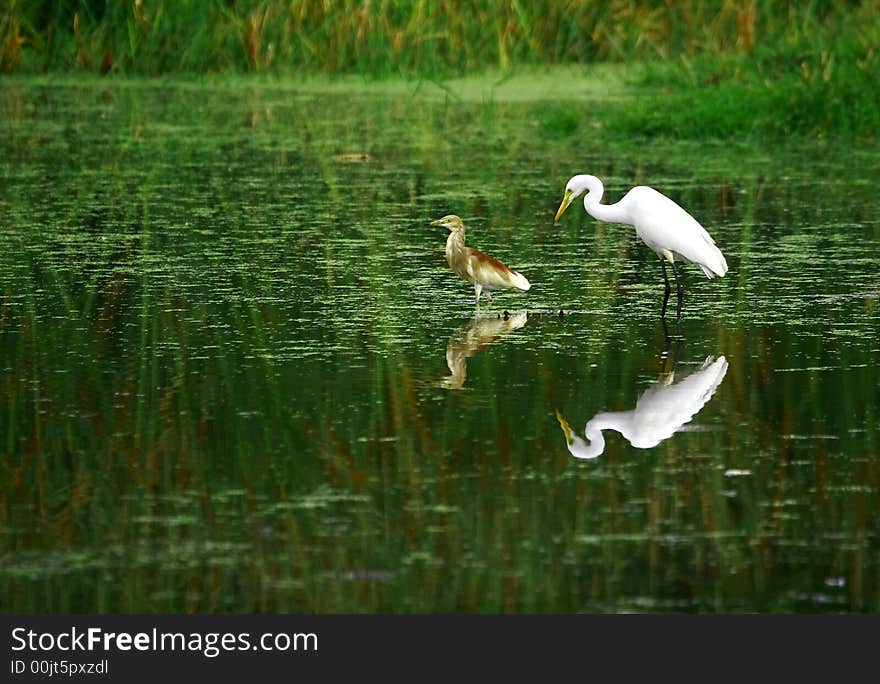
(472, 338)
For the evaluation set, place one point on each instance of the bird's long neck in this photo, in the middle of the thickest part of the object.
(588, 449)
(595, 447)
(455, 245)
(612, 213)
(608, 420)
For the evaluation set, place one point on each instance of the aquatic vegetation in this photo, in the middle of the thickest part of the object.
(222, 386)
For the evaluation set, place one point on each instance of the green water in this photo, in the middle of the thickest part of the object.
(237, 374)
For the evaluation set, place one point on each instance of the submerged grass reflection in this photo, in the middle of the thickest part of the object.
(221, 353)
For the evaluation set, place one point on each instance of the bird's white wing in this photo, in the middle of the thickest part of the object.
(663, 409)
(665, 225)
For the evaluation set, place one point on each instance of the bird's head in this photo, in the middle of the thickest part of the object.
(575, 187)
(450, 222)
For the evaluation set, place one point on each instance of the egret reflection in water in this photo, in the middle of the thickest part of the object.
(472, 338)
(660, 412)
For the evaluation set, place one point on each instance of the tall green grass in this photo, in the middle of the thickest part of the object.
(719, 68)
(818, 77)
(415, 37)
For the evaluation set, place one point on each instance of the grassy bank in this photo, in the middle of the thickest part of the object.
(714, 69)
(818, 79)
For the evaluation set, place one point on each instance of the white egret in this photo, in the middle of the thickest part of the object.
(660, 412)
(660, 223)
(473, 265)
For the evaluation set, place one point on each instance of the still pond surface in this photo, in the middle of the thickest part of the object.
(237, 374)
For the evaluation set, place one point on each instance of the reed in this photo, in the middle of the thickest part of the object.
(414, 37)
(714, 69)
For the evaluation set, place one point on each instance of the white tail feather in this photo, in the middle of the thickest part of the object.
(718, 267)
(519, 280)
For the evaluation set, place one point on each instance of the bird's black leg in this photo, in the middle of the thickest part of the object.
(667, 347)
(678, 292)
(679, 345)
(668, 290)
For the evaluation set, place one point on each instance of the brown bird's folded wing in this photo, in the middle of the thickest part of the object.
(492, 273)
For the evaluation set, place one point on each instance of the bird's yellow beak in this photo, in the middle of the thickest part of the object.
(563, 423)
(436, 223)
(562, 207)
